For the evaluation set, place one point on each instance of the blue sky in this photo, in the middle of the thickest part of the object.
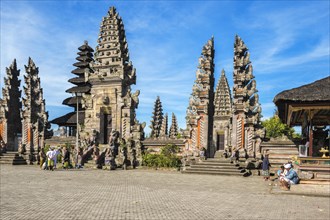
(288, 42)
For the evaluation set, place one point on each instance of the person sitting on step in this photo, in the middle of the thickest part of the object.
(290, 177)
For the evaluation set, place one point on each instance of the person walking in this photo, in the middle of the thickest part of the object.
(66, 158)
(56, 153)
(265, 167)
(50, 158)
(42, 156)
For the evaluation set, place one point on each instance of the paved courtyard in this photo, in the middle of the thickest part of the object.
(29, 193)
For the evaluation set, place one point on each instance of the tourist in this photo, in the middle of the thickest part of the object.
(42, 156)
(56, 153)
(79, 158)
(3, 147)
(66, 158)
(96, 153)
(225, 154)
(280, 172)
(290, 177)
(265, 167)
(234, 156)
(50, 158)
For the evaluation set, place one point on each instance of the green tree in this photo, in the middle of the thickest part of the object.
(166, 158)
(275, 128)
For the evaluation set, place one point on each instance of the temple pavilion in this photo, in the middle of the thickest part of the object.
(308, 106)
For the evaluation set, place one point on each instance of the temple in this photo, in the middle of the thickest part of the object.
(222, 114)
(174, 127)
(35, 123)
(218, 122)
(157, 119)
(24, 124)
(199, 117)
(246, 107)
(10, 105)
(82, 86)
(111, 104)
(102, 91)
(308, 107)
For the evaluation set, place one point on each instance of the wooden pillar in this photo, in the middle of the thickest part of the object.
(310, 150)
(310, 118)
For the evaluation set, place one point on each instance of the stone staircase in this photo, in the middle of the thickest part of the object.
(12, 158)
(281, 150)
(216, 166)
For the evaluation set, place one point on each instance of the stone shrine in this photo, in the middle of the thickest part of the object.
(35, 123)
(106, 101)
(28, 122)
(10, 105)
(220, 122)
(200, 110)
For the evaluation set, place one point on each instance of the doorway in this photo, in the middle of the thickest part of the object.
(220, 140)
(105, 125)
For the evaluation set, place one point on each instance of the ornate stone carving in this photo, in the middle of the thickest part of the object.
(34, 117)
(201, 106)
(10, 105)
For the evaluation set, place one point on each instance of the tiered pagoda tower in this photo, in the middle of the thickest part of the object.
(10, 119)
(174, 127)
(82, 87)
(157, 119)
(247, 110)
(34, 117)
(164, 127)
(200, 111)
(222, 114)
(111, 104)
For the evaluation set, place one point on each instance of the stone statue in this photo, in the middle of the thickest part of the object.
(21, 148)
(113, 147)
(135, 97)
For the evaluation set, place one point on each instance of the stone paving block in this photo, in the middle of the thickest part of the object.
(30, 193)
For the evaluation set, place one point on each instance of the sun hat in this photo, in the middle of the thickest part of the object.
(287, 166)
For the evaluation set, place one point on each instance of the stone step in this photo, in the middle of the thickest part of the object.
(217, 167)
(283, 154)
(212, 172)
(11, 152)
(13, 162)
(214, 169)
(19, 162)
(13, 158)
(7, 156)
(273, 147)
(215, 164)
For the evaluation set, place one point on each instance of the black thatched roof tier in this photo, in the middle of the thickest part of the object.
(295, 103)
(316, 91)
(78, 71)
(71, 101)
(69, 119)
(86, 48)
(81, 64)
(81, 89)
(84, 58)
(85, 53)
(77, 80)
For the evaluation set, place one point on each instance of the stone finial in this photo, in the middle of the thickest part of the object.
(112, 11)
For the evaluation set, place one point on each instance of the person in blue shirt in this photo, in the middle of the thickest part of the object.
(265, 167)
(290, 177)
